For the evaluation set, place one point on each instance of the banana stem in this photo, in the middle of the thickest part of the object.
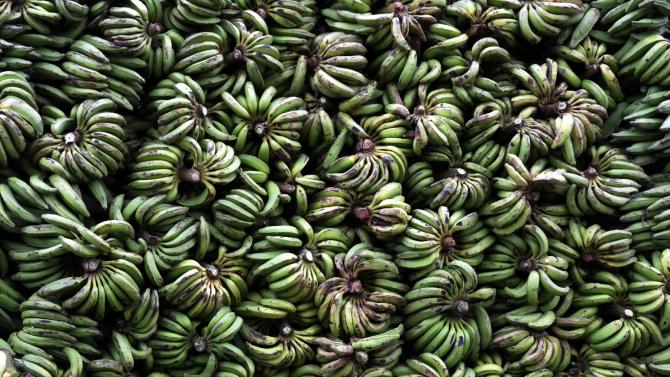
(190, 175)
(90, 265)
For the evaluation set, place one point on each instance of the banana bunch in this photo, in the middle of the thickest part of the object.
(113, 283)
(319, 127)
(489, 363)
(139, 320)
(589, 362)
(187, 172)
(72, 10)
(251, 54)
(199, 289)
(532, 350)
(576, 324)
(164, 236)
(637, 367)
(433, 124)
(20, 121)
(398, 24)
(174, 339)
(445, 38)
(16, 56)
(207, 364)
(37, 47)
(40, 260)
(86, 146)
(331, 206)
(341, 15)
(203, 56)
(646, 137)
(294, 183)
(219, 331)
(652, 359)
(385, 214)
(307, 370)
(289, 22)
(630, 17)
(424, 365)
(177, 103)
(254, 175)
(37, 366)
(601, 288)
(386, 130)
(333, 65)
(490, 155)
(161, 55)
(395, 25)
(370, 356)
(647, 286)
(464, 187)
(528, 139)
(606, 185)
(481, 20)
(10, 301)
(291, 79)
(40, 15)
(466, 71)
(576, 118)
(530, 317)
(462, 328)
(541, 19)
(290, 347)
(20, 57)
(92, 70)
(521, 266)
(626, 334)
(236, 212)
(295, 274)
(419, 176)
(583, 25)
(50, 332)
(106, 367)
(366, 102)
(62, 197)
(525, 137)
(361, 299)
(597, 64)
(21, 204)
(520, 193)
(187, 16)
(591, 245)
(624, 330)
(276, 332)
(47, 250)
(376, 160)
(133, 25)
(434, 239)
(128, 355)
(267, 125)
(405, 68)
(645, 61)
(235, 364)
(645, 211)
(263, 310)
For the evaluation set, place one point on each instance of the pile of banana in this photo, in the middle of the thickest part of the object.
(336, 188)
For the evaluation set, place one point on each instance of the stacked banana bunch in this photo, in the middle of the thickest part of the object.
(342, 188)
